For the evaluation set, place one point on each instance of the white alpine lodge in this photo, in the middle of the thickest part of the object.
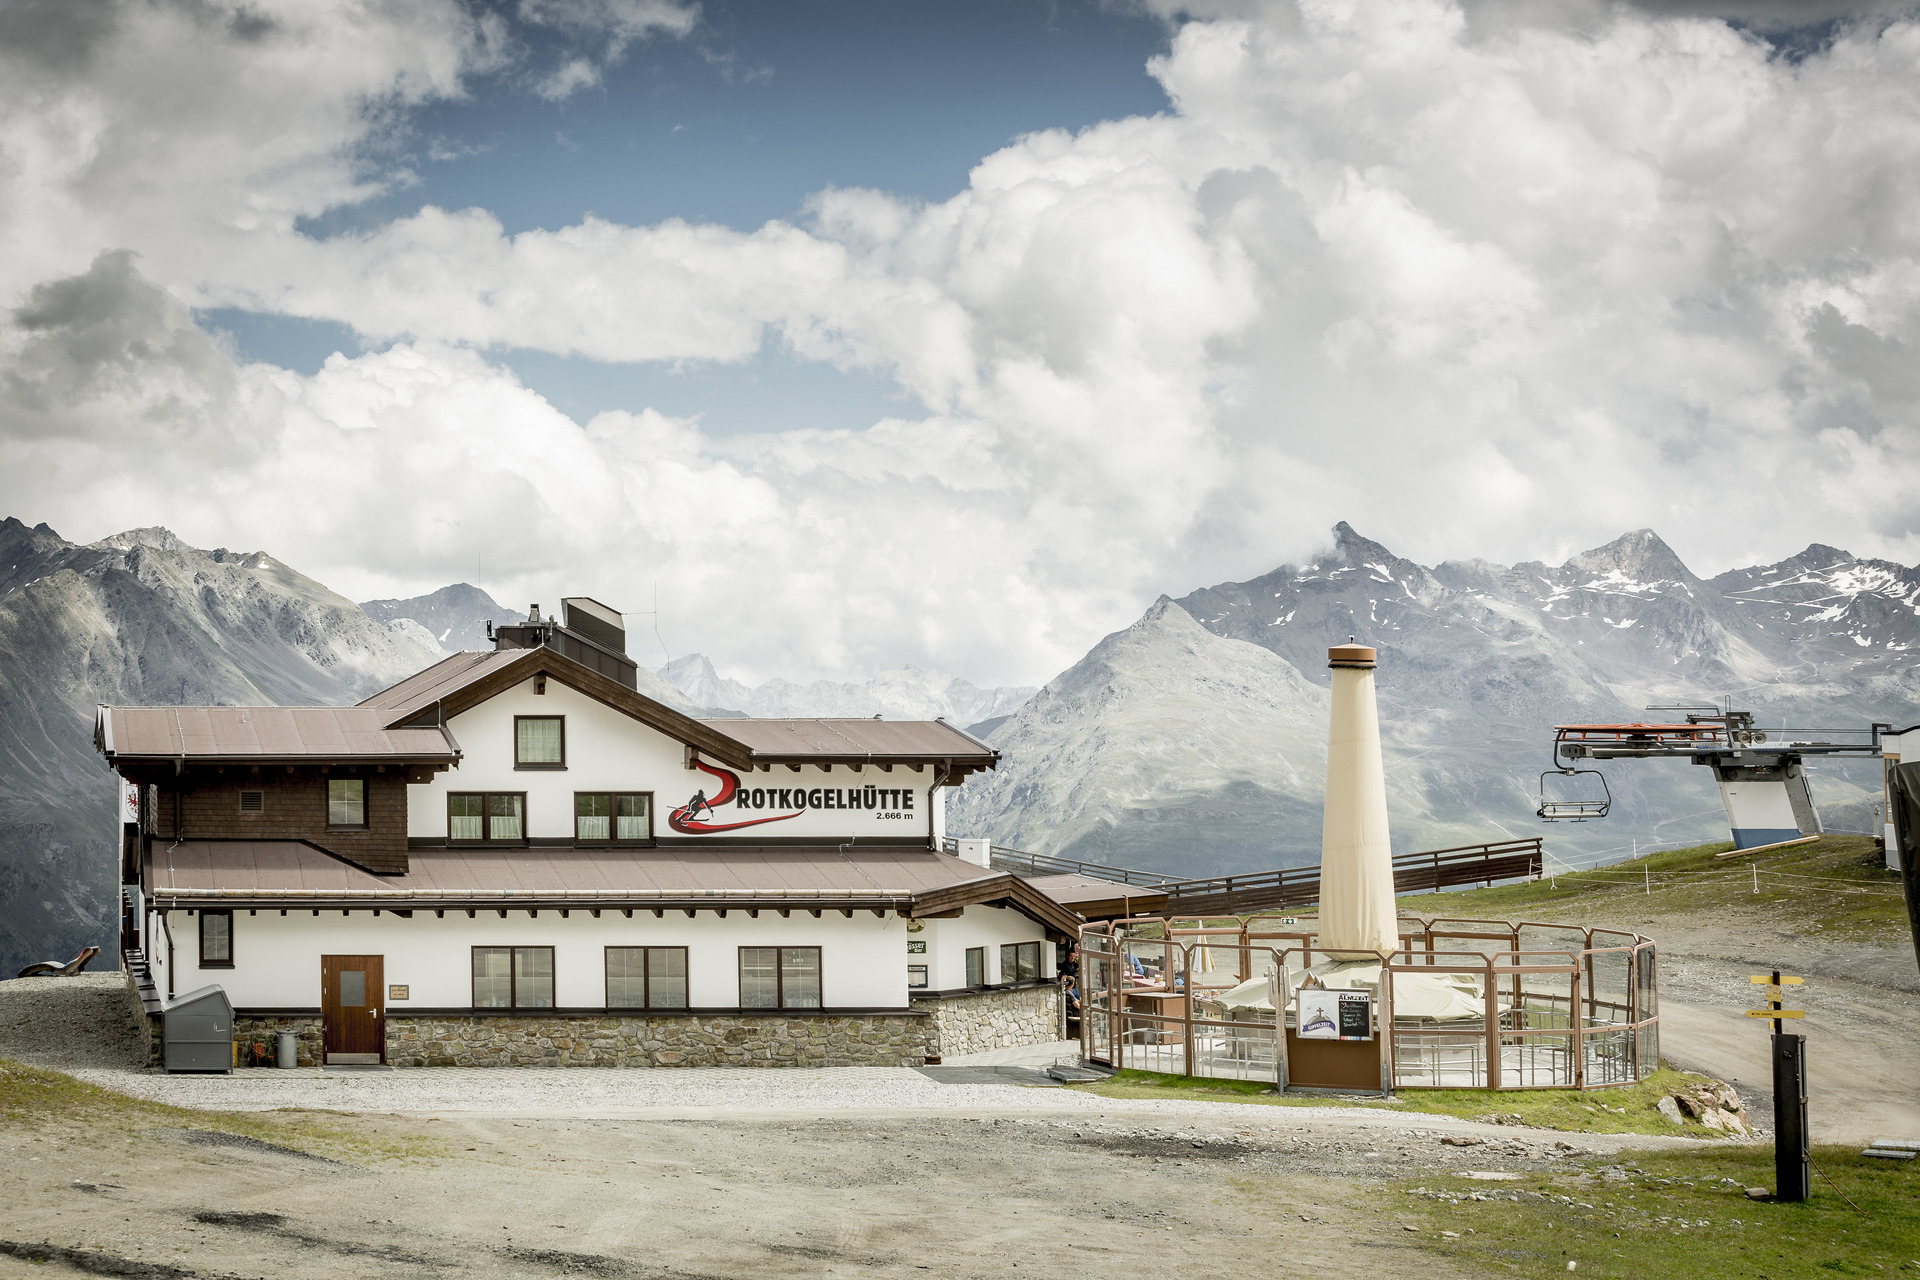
(513, 857)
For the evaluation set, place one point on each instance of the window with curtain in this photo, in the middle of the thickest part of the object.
(513, 977)
(539, 742)
(599, 815)
(1020, 962)
(346, 802)
(780, 978)
(216, 939)
(646, 977)
(490, 815)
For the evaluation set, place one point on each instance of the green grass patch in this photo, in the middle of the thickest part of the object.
(1838, 883)
(33, 1097)
(1628, 1109)
(1681, 1214)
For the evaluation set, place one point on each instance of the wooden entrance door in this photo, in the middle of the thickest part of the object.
(353, 1010)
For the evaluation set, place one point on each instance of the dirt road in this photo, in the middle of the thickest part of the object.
(879, 1195)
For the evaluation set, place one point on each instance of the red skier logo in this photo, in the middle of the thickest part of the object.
(695, 816)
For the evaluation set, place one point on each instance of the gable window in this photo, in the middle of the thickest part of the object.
(253, 801)
(976, 966)
(779, 977)
(346, 802)
(1020, 962)
(513, 977)
(539, 742)
(646, 977)
(486, 815)
(600, 815)
(216, 939)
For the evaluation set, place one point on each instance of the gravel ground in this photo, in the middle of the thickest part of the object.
(83, 1021)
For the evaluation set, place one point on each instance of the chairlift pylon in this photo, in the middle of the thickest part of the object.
(1573, 810)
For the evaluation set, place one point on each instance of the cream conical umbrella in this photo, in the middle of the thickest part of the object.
(1357, 910)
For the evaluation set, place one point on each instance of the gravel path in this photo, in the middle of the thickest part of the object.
(83, 1021)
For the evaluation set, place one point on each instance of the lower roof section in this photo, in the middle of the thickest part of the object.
(288, 873)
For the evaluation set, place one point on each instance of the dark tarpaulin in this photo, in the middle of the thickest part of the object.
(1904, 787)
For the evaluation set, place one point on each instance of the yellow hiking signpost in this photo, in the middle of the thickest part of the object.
(1792, 1161)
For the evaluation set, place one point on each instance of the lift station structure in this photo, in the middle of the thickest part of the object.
(1761, 772)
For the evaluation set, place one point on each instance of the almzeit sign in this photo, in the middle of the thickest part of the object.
(733, 806)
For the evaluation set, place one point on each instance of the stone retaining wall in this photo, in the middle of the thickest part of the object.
(948, 1027)
(866, 1040)
(994, 1020)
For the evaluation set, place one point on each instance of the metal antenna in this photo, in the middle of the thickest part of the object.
(654, 613)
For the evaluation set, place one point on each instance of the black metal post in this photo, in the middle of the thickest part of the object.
(1792, 1163)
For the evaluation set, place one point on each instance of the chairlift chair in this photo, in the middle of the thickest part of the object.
(1573, 810)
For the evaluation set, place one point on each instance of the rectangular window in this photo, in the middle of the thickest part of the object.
(253, 802)
(780, 977)
(216, 939)
(600, 816)
(916, 977)
(633, 817)
(976, 966)
(646, 977)
(494, 815)
(1020, 962)
(513, 977)
(346, 802)
(592, 817)
(539, 742)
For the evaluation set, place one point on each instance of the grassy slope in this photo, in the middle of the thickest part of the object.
(1838, 885)
(1625, 1110)
(34, 1098)
(1678, 1215)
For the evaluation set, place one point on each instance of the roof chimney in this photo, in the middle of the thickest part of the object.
(1357, 909)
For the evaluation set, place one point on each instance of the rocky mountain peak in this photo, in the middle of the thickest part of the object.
(1637, 557)
(160, 539)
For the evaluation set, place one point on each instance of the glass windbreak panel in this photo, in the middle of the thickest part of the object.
(1649, 984)
(533, 977)
(632, 819)
(464, 820)
(504, 814)
(800, 977)
(538, 740)
(346, 802)
(492, 978)
(592, 817)
(353, 988)
(216, 937)
(667, 977)
(976, 966)
(759, 977)
(1020, 962)
(626, 977)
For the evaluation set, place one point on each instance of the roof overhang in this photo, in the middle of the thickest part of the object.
(1003, 890)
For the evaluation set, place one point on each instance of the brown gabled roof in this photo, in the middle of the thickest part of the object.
(466, 680)
(291, 872)
(1000, 890)
(261, 734)
(1101, 899)
(822, 740)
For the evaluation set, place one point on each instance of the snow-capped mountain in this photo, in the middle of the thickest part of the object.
(907, 693)
(141, 618)
(1478, 663)
(455, 616)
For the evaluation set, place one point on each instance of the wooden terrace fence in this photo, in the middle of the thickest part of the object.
(1432, 869)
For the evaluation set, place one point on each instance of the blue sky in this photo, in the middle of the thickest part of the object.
(739, 123)
(954, 334)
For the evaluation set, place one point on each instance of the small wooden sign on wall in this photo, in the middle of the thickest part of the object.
(396, 992)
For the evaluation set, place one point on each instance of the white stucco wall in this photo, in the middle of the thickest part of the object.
(277, 958)
(989, 927)
(609, 751)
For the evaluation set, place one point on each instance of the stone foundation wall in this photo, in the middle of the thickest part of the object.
(247, 1030)
(870, 1040)
(994, 1020)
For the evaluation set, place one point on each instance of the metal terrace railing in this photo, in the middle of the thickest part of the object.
(1463, 1004)
(1045, 864)
(1431, 869)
